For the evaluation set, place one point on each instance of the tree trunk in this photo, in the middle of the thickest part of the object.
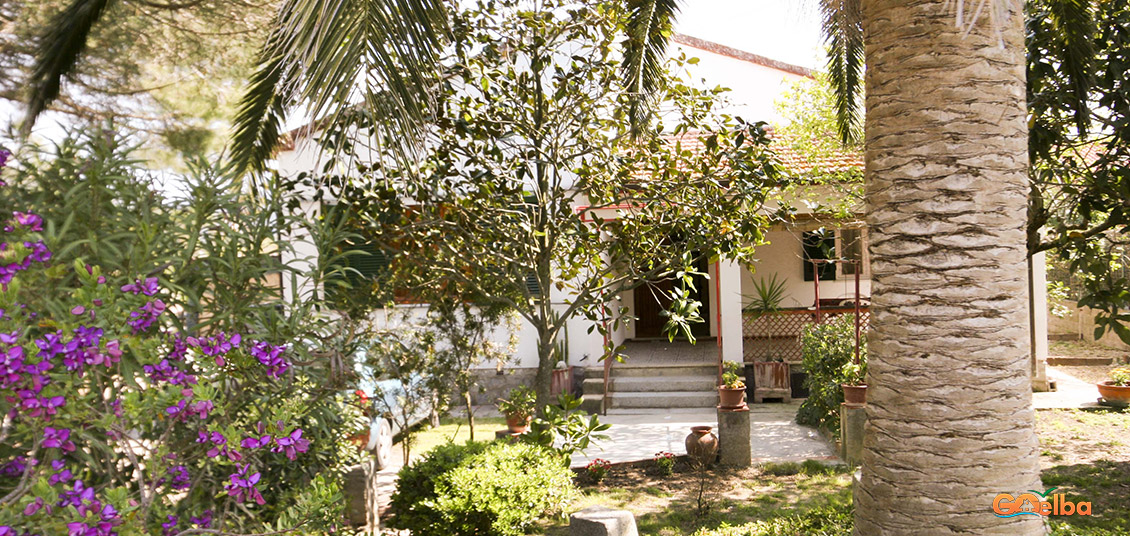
(949, 418)
(470, 413)
(547, 341)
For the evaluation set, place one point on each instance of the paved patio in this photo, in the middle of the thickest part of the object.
(775, 435)
(1070, 393)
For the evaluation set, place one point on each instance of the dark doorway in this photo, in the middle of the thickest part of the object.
(652, 300)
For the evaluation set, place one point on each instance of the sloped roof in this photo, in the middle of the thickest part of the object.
(791, 159)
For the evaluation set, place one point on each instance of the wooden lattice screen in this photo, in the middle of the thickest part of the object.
(773, 336)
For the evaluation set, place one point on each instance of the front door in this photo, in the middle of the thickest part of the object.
(652, 300)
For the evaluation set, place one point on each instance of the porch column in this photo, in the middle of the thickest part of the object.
(730, 298)
(1038, 317)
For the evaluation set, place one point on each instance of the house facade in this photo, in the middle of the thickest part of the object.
(820, 266)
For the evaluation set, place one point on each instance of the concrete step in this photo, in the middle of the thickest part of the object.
(633, 384)
(623, 371)
(665, 399)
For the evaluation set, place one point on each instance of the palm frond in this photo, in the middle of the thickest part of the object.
(1074, 22)
(648, 30)
(57, 53)
(843, 33)
(328, 56)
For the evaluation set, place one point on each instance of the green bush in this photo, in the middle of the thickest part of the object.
(484, 489)
(828, 350)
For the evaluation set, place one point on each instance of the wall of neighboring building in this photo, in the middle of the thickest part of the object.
(1079, 323)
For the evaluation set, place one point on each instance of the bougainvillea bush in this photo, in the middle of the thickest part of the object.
(116, 421)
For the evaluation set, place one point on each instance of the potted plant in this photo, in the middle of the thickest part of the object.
(518, 409)
(855, 382)
(731, 394)
(1116, 390)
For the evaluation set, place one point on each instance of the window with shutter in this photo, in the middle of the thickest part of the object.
(819, 245)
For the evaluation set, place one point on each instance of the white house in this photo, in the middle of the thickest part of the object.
(659, 373)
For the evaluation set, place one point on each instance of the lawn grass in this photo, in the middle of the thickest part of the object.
(455, 430)
(1085, 454)
(789, 498)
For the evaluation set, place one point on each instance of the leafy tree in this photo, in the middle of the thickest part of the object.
(528, 161)
(205, 259)
(1079, 148)
(169, 68)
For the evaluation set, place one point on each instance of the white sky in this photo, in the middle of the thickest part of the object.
(784, 30)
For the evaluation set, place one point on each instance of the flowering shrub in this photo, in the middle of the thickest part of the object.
(115, 423)
(665, 461)
(598, 469)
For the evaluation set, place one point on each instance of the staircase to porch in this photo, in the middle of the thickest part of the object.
(655, 386)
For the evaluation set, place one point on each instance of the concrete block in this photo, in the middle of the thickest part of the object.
(361, 495)
(734, 443)
(852, 419)
(601, 521)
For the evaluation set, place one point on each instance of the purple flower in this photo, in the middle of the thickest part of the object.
(166, 372)
(201, 408)
(170, 526)
(292, 444)
(178, 348)
(58, 439)
(34, 507)
(147, 287)
(15, 467)
(176, 410)
(216, 346)
(141, 319)
(270, 356)
(178, 477)
(255, 442)
(242, 486)
(32, 221)
(204, 521)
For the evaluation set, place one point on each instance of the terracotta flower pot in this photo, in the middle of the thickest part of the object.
(731, 398)
(518, 424)
(1114, 393)
(855, 394)
(702, 444)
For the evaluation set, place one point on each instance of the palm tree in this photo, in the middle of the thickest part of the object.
(328, 56)
(949, 419)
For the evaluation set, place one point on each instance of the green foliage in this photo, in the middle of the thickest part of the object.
(832, 520)
(521, 403)
(1120, 376)
(480, 489)
(767, 294)
(171, 71)
(732, 377)
(1078, 145)
(564, 428)
(828, 351)
(215, 252)
(517, 195)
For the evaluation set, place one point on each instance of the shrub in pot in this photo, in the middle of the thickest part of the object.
(1117, 388)
(855, 382)
(731, 394)
(518, 408)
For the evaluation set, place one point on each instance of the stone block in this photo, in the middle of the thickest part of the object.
(601, 521)
(734, 443)
(361, 495)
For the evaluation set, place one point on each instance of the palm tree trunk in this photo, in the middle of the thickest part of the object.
(949, 418)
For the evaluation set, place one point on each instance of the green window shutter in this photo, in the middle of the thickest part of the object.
(532, 285)
(819, 245)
